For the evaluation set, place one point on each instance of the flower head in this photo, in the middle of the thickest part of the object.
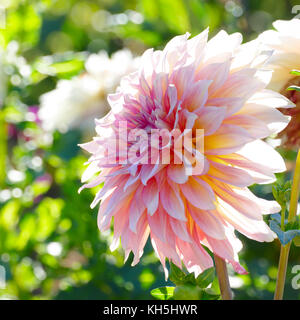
(285, 42)
(216, 87)
(75, 102)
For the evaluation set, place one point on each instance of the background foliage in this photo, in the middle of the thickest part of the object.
(49, 241)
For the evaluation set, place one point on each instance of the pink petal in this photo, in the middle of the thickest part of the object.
(198, 193)
(136, 209)
(207, 222)
(227, 139)
(210, 119)
(150, 196)
(180, 229)
(177, 173)
(256, 128)
(230, 175)
(218, 72)
(172, 202)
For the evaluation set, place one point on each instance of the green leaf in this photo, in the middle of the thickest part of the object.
(206, 278)
(187, 292)
(277, 217)
(190, 292)
(284, 236)
(190, 278)
(209, 294)
(180, 278)
(281, 192)
(163, 293)
(176, 274)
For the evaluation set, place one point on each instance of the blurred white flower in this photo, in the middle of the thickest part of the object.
(76, 102)
(285, 43)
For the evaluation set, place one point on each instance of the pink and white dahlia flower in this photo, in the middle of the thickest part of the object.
(217, 87)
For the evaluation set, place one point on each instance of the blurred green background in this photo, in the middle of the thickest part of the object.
(50, 245)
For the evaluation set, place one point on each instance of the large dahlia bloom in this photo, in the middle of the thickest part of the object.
(217, 86)
(76, 102)
(285, 42)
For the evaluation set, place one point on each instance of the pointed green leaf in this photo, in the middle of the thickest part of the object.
(206, 278)
(281, 192)
(276, 216)
(163, 293)
(284, 237)
(190, 278)
(176, 274)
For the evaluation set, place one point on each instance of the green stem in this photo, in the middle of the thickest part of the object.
(282, 217)
(284, 250)
(222, 274)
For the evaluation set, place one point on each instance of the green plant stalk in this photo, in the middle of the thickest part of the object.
(223, 279)
(3, 148)
(284, 250)
(283, 217)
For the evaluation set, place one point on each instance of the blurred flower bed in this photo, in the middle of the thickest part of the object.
(58, 61)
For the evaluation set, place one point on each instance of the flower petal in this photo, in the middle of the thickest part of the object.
(172, 202)
(198, 193)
